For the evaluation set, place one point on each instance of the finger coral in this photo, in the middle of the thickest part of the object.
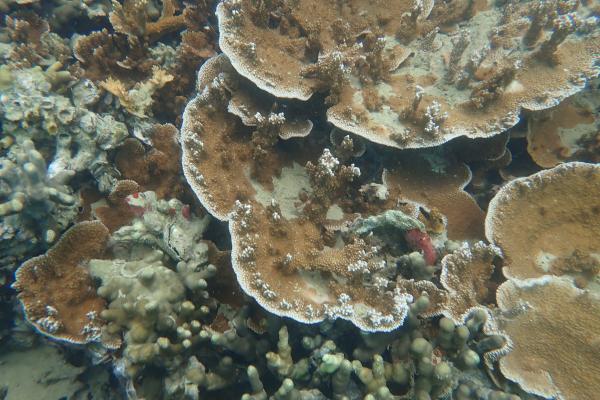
(34, 208)
(544, 221)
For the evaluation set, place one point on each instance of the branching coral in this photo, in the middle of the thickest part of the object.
(131, 19)
(138, 100)
(130, 65)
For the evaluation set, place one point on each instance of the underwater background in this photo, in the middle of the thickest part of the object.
(299, 199)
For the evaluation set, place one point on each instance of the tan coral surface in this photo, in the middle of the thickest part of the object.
(416, 181)
(546, 218)
(554, 328)
(467, 275)
(56, 290)
(407, 77)
(562, 133)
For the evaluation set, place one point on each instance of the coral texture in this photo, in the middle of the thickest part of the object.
(545, 222)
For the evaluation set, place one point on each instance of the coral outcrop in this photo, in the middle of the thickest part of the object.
(290, 250)
(349, 157)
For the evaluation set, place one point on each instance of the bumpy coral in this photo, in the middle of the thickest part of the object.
(35, 208)
(29, 108)
(158, 298)
(147, 309)
(566, 322)
(392, 71)
(57, 292)
(546, 221)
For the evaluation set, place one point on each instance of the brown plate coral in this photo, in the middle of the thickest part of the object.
(546, 222)
(554, 331)
(407, 75)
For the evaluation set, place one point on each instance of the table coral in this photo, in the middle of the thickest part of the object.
(564, 133)
(543, 220)
(436, 185)
(352, 51)
(279, 215)
(57, 292)
(566, 323)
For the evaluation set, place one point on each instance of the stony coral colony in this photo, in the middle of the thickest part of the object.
(301, 199)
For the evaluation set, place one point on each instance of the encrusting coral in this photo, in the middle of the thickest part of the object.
(391, 70)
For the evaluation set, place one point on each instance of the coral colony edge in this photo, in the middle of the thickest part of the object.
(300, 199)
